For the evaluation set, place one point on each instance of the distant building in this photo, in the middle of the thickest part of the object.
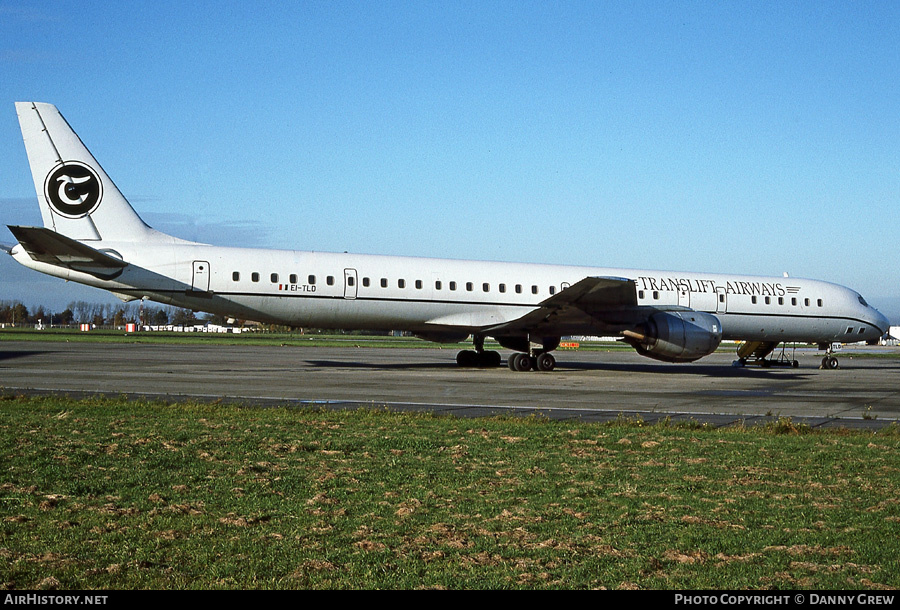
(893, 336)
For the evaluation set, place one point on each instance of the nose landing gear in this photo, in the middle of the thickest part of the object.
(829, 361)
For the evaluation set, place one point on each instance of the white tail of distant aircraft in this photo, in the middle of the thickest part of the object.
(93, 236)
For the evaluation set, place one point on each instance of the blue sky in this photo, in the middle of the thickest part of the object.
(747, 137)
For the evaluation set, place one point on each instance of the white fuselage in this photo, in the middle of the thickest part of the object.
(423, 295)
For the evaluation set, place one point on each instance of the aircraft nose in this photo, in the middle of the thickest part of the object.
(882, 322)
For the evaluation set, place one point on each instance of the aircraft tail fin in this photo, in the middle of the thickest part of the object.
(77, 198)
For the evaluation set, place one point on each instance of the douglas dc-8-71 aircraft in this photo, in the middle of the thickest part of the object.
(91, 235)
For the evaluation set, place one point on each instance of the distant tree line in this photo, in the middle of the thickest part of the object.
(107, 315)
(96, 314)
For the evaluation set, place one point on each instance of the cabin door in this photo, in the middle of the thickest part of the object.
(200, 278)
(721, 300)
(350, 283)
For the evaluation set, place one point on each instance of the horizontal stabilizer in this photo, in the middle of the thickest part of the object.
(50, 247)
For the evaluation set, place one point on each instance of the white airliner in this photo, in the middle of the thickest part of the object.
(92, 235)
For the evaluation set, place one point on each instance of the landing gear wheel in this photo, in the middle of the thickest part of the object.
(467, 358)
(830, 362)
(545, 362)
(524, 363)
(519, 362)
(491, 358)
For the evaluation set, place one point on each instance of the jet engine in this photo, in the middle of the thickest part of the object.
(677, 336)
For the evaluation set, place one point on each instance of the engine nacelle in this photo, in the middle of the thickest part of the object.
(677, 336)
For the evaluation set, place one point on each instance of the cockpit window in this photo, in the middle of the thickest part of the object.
(862, 300)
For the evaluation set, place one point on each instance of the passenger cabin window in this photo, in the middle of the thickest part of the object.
(502, 287)
(236, 276)
(469, 286)
(330, 280)
(819, 302)
(366, 282)
(274, 278)
(552, 289)
(452, 285)
(254, 276)
(418, 284)
(384, 282)
(485, 287)
(401, 283)
(311, 280)
(437, 285)
(534, 290)
(351, 281)
(753, 299)
(518, 288)
(292, 278)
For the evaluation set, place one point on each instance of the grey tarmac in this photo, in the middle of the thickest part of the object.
(586, 385)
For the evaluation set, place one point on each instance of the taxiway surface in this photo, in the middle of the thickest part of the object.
(590, 385)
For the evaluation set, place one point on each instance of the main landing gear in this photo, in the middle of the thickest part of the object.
(536, 358)
(531, 353)
(523, 362)
(479, 357)
(482, 359)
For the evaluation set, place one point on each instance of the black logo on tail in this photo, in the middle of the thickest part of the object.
(73, 189)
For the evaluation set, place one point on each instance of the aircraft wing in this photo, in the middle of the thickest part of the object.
(596, 293)
(50, 247)
(598, 301)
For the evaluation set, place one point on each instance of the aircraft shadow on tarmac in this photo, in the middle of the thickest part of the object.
(708, 370)
(13, 354)
(361, 364)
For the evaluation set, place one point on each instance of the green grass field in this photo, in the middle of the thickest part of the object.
(112, 494)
